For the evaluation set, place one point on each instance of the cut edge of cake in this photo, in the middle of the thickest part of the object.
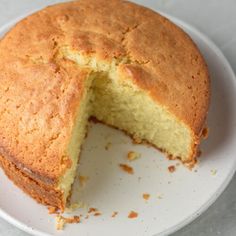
(117, 102)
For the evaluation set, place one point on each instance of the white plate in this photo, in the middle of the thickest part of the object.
(175, 198)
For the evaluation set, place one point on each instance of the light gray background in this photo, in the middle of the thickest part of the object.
(217, 20)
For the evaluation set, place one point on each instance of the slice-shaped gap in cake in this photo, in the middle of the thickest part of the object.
(78, 134)
(118, 102)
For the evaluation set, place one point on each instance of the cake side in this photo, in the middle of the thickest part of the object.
(39, 104)
(42, 143)
(42, 193)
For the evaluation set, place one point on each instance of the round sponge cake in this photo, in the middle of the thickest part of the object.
(124, 64)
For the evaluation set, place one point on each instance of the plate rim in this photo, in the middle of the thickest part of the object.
(183, 25)
(232, 172)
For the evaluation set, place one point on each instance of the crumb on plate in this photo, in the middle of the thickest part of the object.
(131, 156)
(137, 140)
(108, 145)
(97, 214)
(133, 215)
(146, 196)
(61, 221)
(92, 209)
(205, 133)
(128, 169)
(171, 169)
(213, 171)
(114, 214)
(83, 180)
(170, 157)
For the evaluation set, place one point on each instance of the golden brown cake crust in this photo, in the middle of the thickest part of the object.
(38, 105)
(42, 193)
(40, 90)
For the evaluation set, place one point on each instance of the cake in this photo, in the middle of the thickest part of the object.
(121, 63)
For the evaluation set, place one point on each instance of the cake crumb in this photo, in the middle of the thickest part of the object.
(213, 172)
(137, 140)
(190, 165)
(133, 215)
(146, 196)
(127, 168)
(86, 217)
(108, 145)
(72, 220)
(114, 214)
(159, 196)
(92, 209)
(170, 157)
(205, 133)
(171, 169)
(83, 180)
(75, 206)
(131, 156)
(52, 210)
(61, 221)
(97, 214)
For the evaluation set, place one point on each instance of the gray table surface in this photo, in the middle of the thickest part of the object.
(217, 20)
